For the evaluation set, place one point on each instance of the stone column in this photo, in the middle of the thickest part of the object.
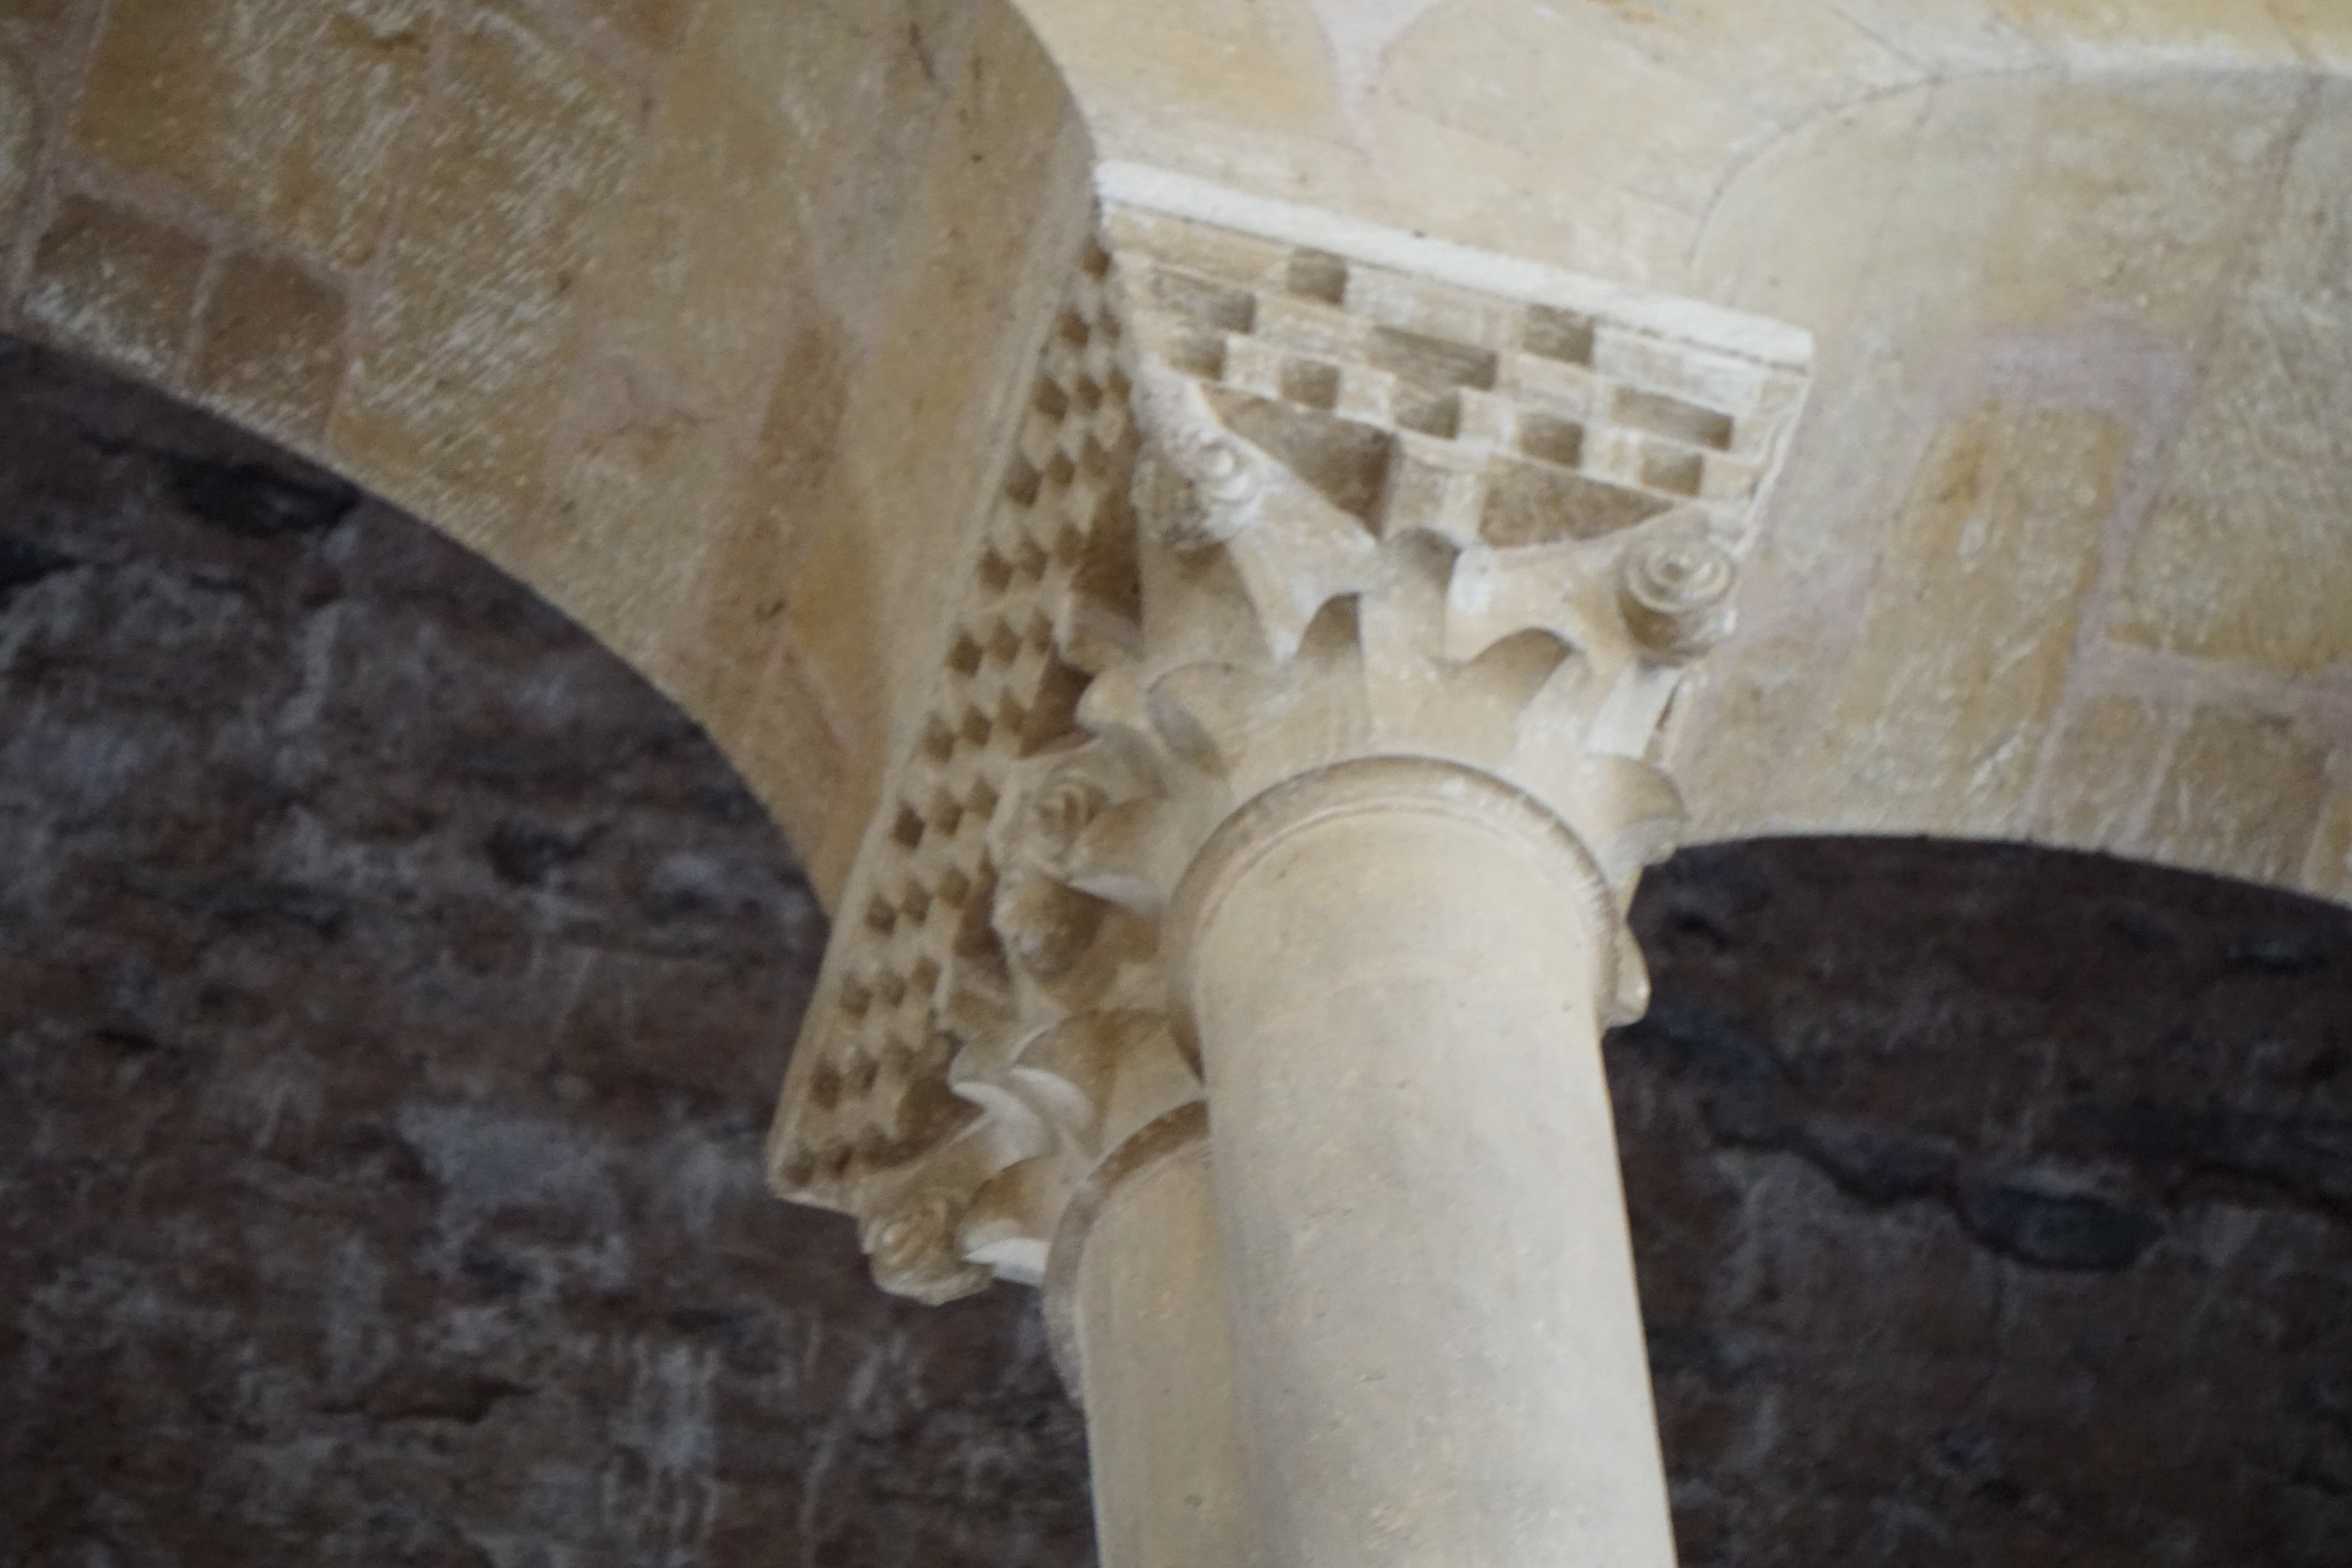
(1393, 969)
(1286, 777)
(1138, 1305)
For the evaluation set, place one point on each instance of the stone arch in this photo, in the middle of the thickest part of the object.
(2114, 239)
(2059, 555)
(693, 316)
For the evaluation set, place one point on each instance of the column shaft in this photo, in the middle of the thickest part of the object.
(1142, 1287)
(1439, 1352)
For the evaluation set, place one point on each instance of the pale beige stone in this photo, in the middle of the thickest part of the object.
(1687, 127)
(1435, 1333)
(2243, 795)
(1947, 34)
(2216, 31)
(1802, 239)
(785, 742)
(117, 285)
(700, 284)
(1731, 740)
(2322, 29)
(1154, 1358)
(289, 113)
(273, 350)
(2245, 557)
(1283, 523)
(1225, 62)
(780, 364)
(461, 352)
(1450, 569)
(1949, 691)
(2101, 775)
(2141, 194)
(929, 408)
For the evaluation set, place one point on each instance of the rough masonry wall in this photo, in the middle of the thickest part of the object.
(393, 990)
(1992, 1205)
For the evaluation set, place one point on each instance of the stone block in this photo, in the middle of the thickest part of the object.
(2138, 193)
(116, 284)
(785, 742)
(695, 257)
(1949, 691)
(1967, 33)
(1688, 126)
(461, 356)
(2243, 557)
(2097, 782)
(2328, 873)
(289, 113)
(2322, 29)
(655, 24)
(2243, 798)
(2209, 32)
(272, 347)
(17, 138)
(1733, 726)
(989, 231)
(33, 13)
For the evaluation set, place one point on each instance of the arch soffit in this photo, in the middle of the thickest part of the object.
(693, 316)
(578, 353)
(2060, 555)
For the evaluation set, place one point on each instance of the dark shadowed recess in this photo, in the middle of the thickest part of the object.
(1994, 1205)
(393, 990)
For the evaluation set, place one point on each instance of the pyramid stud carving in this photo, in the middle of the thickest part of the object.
(1271, 507)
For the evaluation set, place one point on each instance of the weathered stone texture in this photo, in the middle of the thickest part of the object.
(652, 24)
(15, 134)
(272, 348)
(460, 356)
(288, 114)
(1965, 641)
(2102, 773)
(2244, 558)
(118, 283)
(1992, 1205)
(34, 13)
(2243, 793)
(392, 989)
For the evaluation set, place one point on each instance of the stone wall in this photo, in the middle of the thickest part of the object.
(691, 313)
(394, 989)
(701, 316)
(1992, 1205)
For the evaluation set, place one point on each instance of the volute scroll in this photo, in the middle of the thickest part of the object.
(1271, 509)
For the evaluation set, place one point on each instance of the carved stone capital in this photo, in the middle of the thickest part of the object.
(1273, 510)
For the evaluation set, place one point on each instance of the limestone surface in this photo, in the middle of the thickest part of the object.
(393, 990)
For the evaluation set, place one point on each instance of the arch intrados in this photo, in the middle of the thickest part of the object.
(2050, 562)
(699, 333)
(783, 648)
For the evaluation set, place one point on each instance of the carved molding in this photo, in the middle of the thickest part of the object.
(1270, 509)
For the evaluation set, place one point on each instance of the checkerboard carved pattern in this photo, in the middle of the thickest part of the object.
(1269, 506)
